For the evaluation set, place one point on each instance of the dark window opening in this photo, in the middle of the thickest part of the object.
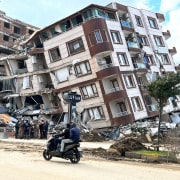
(21, 64)
(17, 30)
(34, 100)
(6, 25)
(5, 38)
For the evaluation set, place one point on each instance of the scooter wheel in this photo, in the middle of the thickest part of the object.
(75, 157)
(46, 155)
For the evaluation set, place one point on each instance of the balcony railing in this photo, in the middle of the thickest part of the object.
(113, 90)
(132, 44)
(105, 66)
(139, 65)
(126, 24)
(120, 114)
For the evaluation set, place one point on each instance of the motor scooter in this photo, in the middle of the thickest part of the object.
(72, 151)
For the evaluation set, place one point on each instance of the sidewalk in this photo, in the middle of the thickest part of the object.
(104, 145)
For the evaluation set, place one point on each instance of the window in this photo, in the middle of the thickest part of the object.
(21, 64)
(165, 59)
(122, 59)
(6, 25)
(129, 81)
(122, 109)
(104, 35)
(17, 30)
(116, 37)
(92, 39)
(141, 81)
(54, 54)
(98, 36)
(89, 91)
(115, 85)
(82, 69)
(138, 21)
(96, 113)
(149, 59)
(75, 46)
(136, 102)
(144, 40)
(153, 23)
(158, 40)
(5, 38)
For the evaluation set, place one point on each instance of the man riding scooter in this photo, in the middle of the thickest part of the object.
(74, 137)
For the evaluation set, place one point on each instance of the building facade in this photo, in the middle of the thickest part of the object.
(104, 53)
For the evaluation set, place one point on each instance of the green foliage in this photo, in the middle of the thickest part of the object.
(164, 87)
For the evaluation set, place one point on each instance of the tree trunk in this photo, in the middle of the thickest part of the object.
(159, 127)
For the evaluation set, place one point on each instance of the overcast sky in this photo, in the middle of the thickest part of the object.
(42, 13)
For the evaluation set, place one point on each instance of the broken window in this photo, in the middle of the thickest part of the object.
(54, 54)
(75, 46)
(77, 20)
(65, 26)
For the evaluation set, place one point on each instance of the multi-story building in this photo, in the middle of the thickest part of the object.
(104, 53)
(12, 31)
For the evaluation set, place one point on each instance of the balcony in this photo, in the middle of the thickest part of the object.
(107, 70)
(105, 66)
(132, 44)
(167, 34)
(139, 66)
(173, 51)
(126, 26)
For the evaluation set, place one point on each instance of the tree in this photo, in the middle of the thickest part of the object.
(161, 89)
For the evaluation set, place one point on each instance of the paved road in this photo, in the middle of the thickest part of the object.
(30, 165)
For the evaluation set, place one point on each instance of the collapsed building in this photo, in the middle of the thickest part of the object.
(106, 54)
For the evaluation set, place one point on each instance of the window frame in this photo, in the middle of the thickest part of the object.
(115, 35)
(5, 38)
(129, 81)
(6, 25)
(75, 42)
(84, 91)
(138, 103)
(54, 54)
(152, 23)
(98, 36)
(123, 60)
(159, 41)
(100, 111)
(78, 69)
(138, 21)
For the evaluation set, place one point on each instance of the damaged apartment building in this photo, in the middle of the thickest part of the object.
(106, 54)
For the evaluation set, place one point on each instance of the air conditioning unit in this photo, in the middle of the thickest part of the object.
(33, 59)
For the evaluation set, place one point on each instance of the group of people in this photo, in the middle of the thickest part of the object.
(71, 134)
(26, 129)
